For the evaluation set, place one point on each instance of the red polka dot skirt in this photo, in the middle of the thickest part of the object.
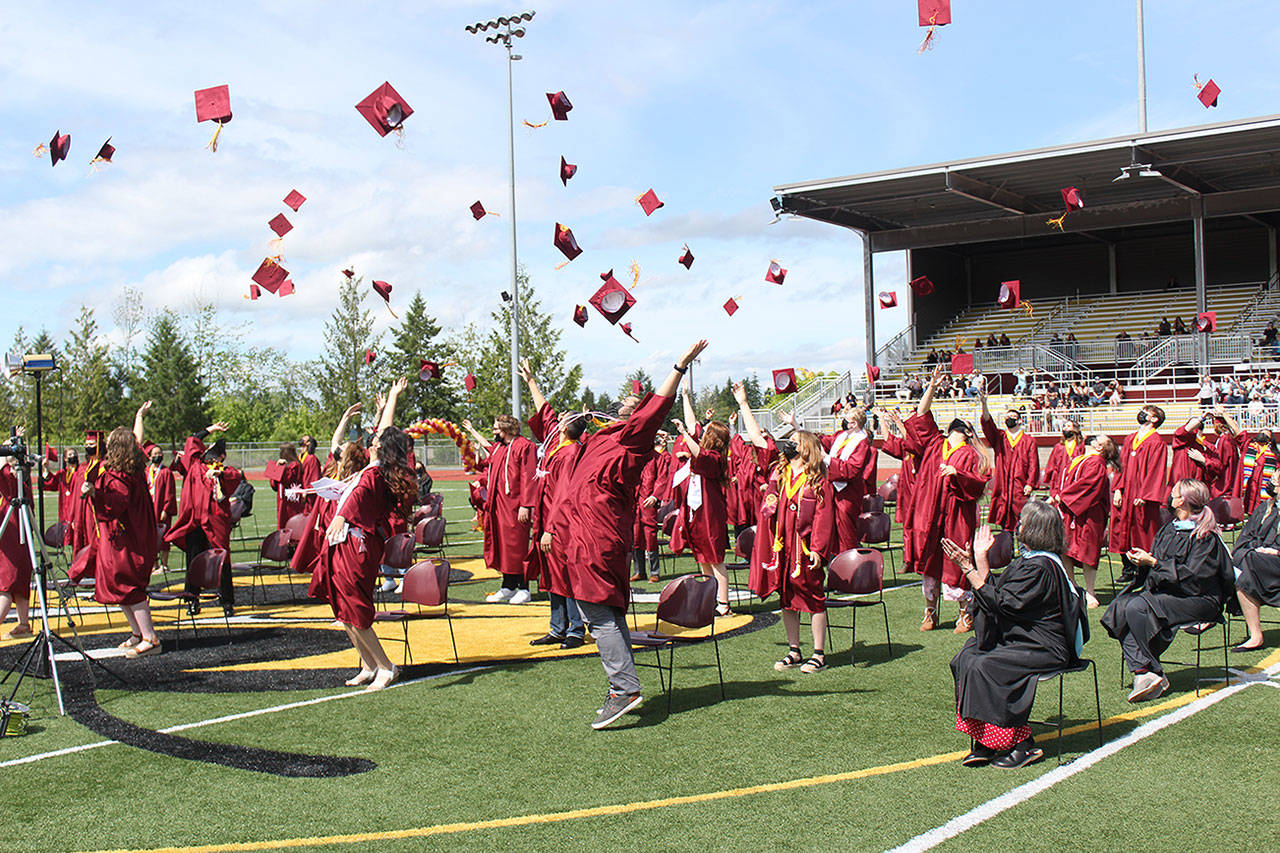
(990, 735)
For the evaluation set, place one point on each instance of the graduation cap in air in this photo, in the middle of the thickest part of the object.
(612, 300)
(369, 356)
(567, 170)
(961, 363)
(776, 273)
(565, 242)
(294, 200)
(873, 373)
(1209, 93)
(270, 275)
(626, 330)
(214, 104)
(888, 299)
(1072, 198)
(784, 381)
(280, 224)
(286, 288)
(933, 13)
(687, 258)
(649, 202)
(469, 382)
(105, 153)
(50, 455)
(560, 105)
(349, 273)
(384, 290)
(1207, 321)
(429, 370)
(58, 147)
(384, 109)
(478, 211)
(731, 306)
(580, 315)
(1010, 294)
(921, 286)
(254, 292)
(637, 387)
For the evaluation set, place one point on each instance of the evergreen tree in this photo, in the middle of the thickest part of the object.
(414, 340)
(94, 397)
(640, 375)
(14, 393)
(170, 377)
(347, 335)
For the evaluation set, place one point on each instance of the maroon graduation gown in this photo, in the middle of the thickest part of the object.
(1017, 466)
(282, 478)
(127, 538)
(852, 472)
(509, 472)
(310, 473)
(548, 567)
(1142, 475)
(705, 529)
(896, 447)
(349, 569)
(803, 521)
(163, 489)
(15, 557)
(1085, 500)
(1183, 467)
(199, 505)
(1059, 457)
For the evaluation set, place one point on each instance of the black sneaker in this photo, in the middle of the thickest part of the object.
(547, 640)
(572, 643)
(979, 756)
(614, 707)
(193, 609)
(1021, 755)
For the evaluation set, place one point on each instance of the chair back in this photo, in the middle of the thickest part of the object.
(688, 601)
(436, 503)
(1000, 554)
(427, 583)
(297, 527)
(857, 571)
(55, 535)
(161, 529)
(874, 527)
(1235, 510)
(398, 553)
(872, 503)
(669, 524)
(237, 512)
(889, 490)
(275, 547)
(205, 571)
(666, 509)
(430, 532)
(745, 543)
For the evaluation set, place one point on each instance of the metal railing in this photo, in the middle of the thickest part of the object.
(896, 351)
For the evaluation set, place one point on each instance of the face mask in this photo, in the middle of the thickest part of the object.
(72, 460)
(1011, 423)
(789, 450)
(497, 436)
(156, 460)
(1270, 489)
(1142, 417)
(1067, 433)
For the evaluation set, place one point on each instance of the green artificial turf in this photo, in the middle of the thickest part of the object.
(514, 739)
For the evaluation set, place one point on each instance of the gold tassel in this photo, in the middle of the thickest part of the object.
(1026, 306)
(1058, 221)
(528, 123)
(928, 42)
(41, 150)
(213, 143)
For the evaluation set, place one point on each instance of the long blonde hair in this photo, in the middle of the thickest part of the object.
(811, 460)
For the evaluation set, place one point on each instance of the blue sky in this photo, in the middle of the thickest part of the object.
(710, 104)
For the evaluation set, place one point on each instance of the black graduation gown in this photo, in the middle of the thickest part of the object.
(1025, 625)
(1190, 581)
(1259, 576)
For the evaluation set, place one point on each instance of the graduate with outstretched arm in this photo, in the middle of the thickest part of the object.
(509, 465)
(1140, 490)
(1017, 465)
(850, 460)
(593, 527)
(1085, 500)
(1193, 457)
(1228, 442)
(895, 445)
(163, 487)
(1071, 446)
(705, 513)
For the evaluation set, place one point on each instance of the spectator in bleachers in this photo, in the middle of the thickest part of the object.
(1235, 395)
(850, 400)
(1179, 327)
(1256, 409)
(1123, 336)
(1004, 340)
(1115, 395)
(1270, 335)
(1099, 394)
(916, 387)
(1164, 329)
(1077, 395)
(1022, 384)
(992, 341)
(932, 358)
(977, 344)
(974, 385)
(1208, 394)
(1055, 341)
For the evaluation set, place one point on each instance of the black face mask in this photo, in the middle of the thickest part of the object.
(1011, 422)
(497, 436)
(156, 460)
(1142, 417)
(1067, 433)
(1270, 489)
(789, 449)
(72, 460)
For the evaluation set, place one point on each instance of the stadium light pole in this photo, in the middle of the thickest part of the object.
(1142, 74)
(505, 29)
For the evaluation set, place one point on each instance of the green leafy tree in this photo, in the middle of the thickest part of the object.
(94, 396)
(170, 377)
(347, 335)
(413, 340)
(638, 375)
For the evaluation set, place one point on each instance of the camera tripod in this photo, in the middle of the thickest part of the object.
(41, 647)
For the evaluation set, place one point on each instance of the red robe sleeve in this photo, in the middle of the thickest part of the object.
(993, 434)
(1054, 465)
(166, 492)
(708, 463)
(966, 484)
(543, 422)
(230, 478)
(922, 433)
(855, 466)
(1080, 494)
(895, 446)
(824, 540)
(527, 457)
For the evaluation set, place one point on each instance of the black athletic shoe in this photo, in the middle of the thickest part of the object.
(547, 640)
(573, 643)
(228, 610)
(193, 609)
(1020, 756)
(980, 756)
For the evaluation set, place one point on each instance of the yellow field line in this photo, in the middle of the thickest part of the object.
(648, 805)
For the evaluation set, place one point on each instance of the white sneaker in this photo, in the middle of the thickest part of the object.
(1148, 685)
(501, 595)
(522, 596)
(389, 585)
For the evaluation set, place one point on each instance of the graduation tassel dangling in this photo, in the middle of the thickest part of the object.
(1057, 221)
(217, 132)
(929, 37)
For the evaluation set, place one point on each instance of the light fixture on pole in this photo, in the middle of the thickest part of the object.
(505, 29)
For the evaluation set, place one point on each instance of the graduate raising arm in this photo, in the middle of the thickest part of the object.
(749, 422)
(340, 434)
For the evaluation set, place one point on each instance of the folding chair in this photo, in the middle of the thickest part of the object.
(1195, 630)
(874, 529)
(742, 546)
(872, 503)
(296, 527)
(204, 573)
(80, 580)
(429, 535)
(858, 572)
(397, 557)
(690, 602)
(273, 553)
(1060, 674)
(426, 584)
(889, 491)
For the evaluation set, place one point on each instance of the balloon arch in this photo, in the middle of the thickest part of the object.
(437, 426)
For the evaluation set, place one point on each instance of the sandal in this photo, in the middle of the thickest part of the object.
(791, 661)
(133, 640)
(722, 609)
(146, 647)
(364, 676)
(19, 631)
(816, 663)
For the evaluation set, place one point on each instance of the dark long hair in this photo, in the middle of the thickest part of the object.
(351, 459)
(397, 469)
(715, 436)
(123, 453)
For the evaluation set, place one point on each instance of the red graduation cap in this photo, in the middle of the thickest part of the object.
(95, 438)
(961, 362)
(384, 109)
(612, 300)
(469, 382)
(731, 306)
(560, 105)
(888, 299)
(349, 273)
(921, 286)
(784, 381)
(776, 273)
(428, 370)
(213, 104)
(649, 202)
(873, 373)
(1207, 321)
(280, 224)
(59, 147)
(384, 290)
(369, 356)
(580, 315)
(687, 258)
(626, 330)
(933, 13)
(478, 211)
(286, 288)
(567, 170)
(254, 292)
(565, 243)
(50, 455)
(1209, 93)
(294, 200)
(105, 153)
(1072, 198)
(270, 275)
(1010, 294)
(637, 387)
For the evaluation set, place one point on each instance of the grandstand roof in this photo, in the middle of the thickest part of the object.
(1230, 167)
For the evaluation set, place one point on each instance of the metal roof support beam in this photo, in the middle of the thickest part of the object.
(869, 295)
(1197, 235)
(980, 191)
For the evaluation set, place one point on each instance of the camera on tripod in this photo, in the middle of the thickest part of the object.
(16, 447)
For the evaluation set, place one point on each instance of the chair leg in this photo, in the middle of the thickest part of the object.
(662, 679)
(449, 619)
(404, 626)
(853, 636)
(1097, 700)
(1198, 638)
(227, 620)
(715, 641)
(888, 640)
(1226, 669)
(1061, 678)
(671, 674)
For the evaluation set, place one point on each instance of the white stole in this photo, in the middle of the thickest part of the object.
(842, 447)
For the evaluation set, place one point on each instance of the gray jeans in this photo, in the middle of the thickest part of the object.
(613, 640)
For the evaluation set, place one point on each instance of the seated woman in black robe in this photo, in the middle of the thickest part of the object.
(1029, 620)
(1185, 579)
(1256, 560)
